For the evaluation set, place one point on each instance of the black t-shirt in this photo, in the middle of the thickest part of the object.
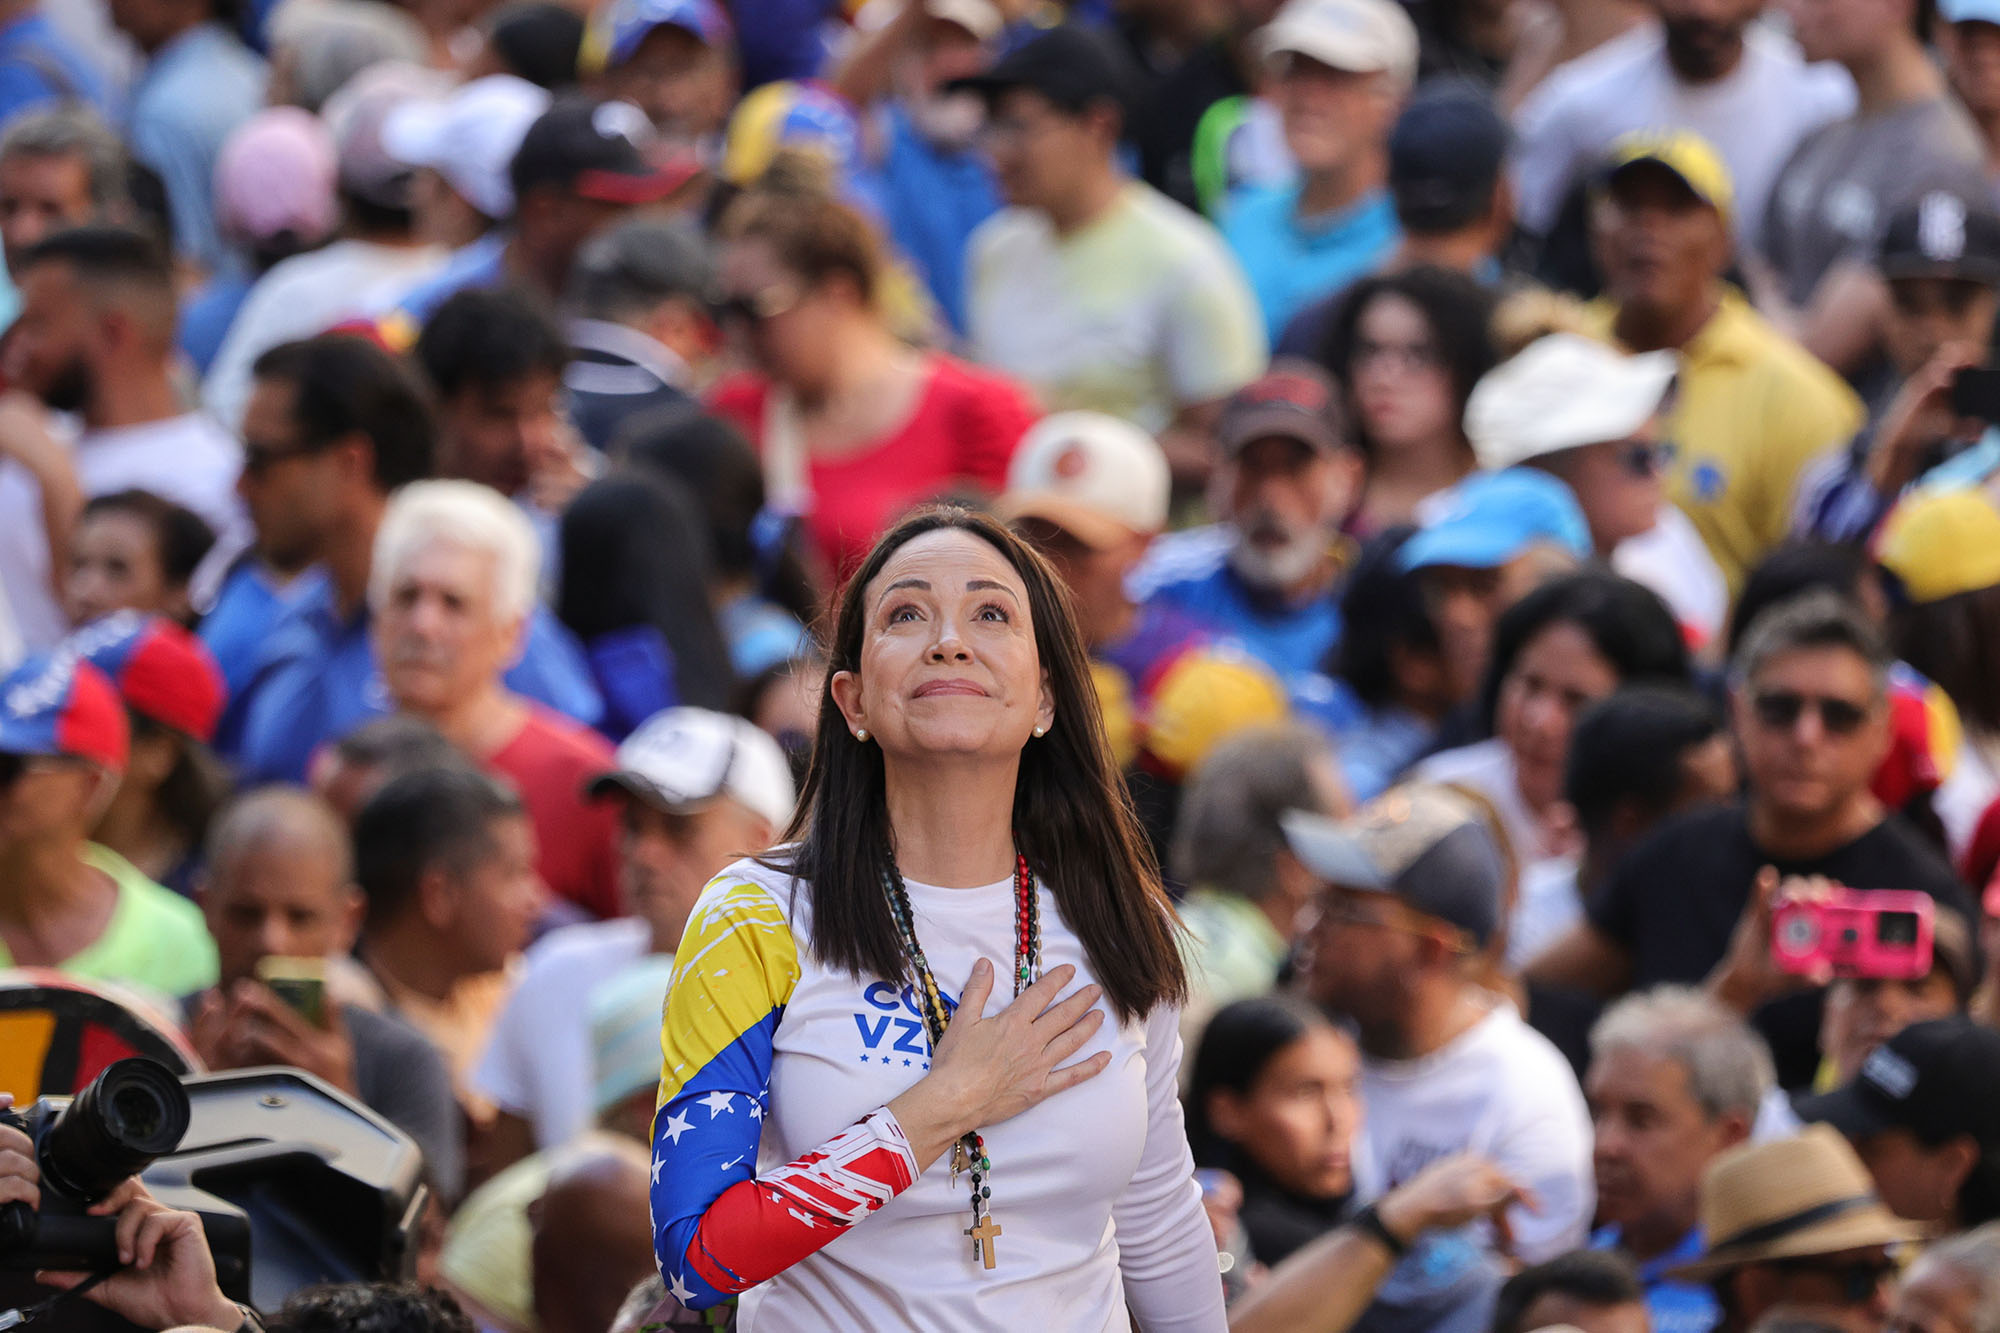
(1675, 899)
(1164, 129)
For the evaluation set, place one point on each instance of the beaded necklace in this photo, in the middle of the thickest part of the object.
(969, 1153)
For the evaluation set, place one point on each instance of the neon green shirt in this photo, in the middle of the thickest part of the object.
(155, 937)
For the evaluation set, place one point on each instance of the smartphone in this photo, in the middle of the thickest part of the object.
(1877, 934)
(299, 982)
(1975, 392)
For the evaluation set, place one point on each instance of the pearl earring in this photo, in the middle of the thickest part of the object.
(861, 733)
(1041, 730)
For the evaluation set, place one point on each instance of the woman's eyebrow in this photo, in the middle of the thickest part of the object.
(988, 585)
(920, 585)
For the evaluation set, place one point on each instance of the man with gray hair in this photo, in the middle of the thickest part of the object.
(1675, 1079)
(1692, 903)
(451, 588)
(59, 168)
(639, 327)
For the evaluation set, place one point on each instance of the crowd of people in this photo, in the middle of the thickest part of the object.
(1522, 474)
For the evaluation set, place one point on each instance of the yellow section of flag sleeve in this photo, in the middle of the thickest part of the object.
(736, 966)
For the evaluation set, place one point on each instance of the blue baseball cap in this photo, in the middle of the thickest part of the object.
(59, 704)
(1970, 11)
(622, 25)
(1492, 517)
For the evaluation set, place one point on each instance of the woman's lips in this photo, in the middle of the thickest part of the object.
(931, 688)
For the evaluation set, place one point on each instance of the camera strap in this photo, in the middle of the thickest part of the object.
(28, 1314)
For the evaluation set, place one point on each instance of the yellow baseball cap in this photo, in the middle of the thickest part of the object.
(1205, 698)
(1687, 155)
(1941, 541)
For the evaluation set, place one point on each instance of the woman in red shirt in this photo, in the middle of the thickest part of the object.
(855, 426)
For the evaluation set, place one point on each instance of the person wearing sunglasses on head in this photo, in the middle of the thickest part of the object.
(1591, 416)
(1809, 708)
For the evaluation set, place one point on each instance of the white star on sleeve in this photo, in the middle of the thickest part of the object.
(657, 1164)
(677, 1125)
(680, 1290)
(756, 1111)
(718, 1102)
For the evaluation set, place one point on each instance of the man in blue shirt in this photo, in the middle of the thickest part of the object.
(199, 83)
(1675, 1080)
(332, 426)
(1265, 578)
(40, 67)
(1340, 70)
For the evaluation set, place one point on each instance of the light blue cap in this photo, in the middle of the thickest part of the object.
(1970, 11)
(1492, 517)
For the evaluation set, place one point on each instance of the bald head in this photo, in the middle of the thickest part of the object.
(280, 881)
(593, 1236)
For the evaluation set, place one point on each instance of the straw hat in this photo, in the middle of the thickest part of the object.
(1789, 1199)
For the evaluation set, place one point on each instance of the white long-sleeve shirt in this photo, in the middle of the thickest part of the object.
(772, 1058)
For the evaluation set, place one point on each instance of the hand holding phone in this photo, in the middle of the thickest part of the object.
(1877, 934)
(299, 982)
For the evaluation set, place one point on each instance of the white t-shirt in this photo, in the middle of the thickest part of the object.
(537, 1062)
(771, 1054)
(1754, 116)
(1500, 1090)
(1674, 562)
(1139, 314)
(188, 459)
(302, 296)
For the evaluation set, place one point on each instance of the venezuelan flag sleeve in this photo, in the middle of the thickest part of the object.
(718, 1227)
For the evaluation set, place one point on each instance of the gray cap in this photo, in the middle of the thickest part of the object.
(1423, 843)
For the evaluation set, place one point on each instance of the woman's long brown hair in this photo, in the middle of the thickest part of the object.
(1072, 815)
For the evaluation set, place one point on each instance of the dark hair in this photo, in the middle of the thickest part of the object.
(343, 385)
(811, 233)
(1072, 815)
(635, 556)
(105, 254)
(1795, 567)
(1628, 747)
(1381, 611)
(371, 216)
(1955, 641)
(537, 41)
(487, 340)
(1588, 1277)
(193, 789)
(398, 744)
(1815, 619)
(418, 821)
(1628, 625)
(371, 1307)
(1459, 312)
(181, 537)
(637, 266)
(1238, 1042)
(712, 459)
(1226, 835)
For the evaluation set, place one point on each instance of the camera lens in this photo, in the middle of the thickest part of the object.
(1798, 932)
(1896, 928)
(130, 1114)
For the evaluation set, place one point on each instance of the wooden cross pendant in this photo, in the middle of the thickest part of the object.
(982, 1238)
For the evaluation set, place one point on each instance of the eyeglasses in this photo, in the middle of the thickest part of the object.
(258, 461)
(1405, 356)
(14, 767)
(1780, 710)
(756, 307)
(1645, 458)
(1857, 1280)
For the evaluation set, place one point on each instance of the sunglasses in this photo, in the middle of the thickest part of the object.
(1857, 1280)
(759, 306)
(1781, 710)
(14, 767)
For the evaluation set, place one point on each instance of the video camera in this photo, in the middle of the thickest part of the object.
(295, 1183)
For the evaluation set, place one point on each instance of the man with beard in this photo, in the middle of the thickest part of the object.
(1287, 479)
(1708, 67)
(96, 338)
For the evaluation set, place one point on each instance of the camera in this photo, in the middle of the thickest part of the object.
(1878, 934)
(130, 1115)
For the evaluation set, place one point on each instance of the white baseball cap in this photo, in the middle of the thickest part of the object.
(683, 758)
(1561, 392)
(1361, 36)
(469, 136)
(1096, 477)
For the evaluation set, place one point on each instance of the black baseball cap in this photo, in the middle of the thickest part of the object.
(1938, 1079)
(1295, 400)
(1942, 236)
(1423, 843)
(1071, 65)
(1445, 156)
(601, 150)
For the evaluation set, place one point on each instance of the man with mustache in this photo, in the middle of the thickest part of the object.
(1709, 67)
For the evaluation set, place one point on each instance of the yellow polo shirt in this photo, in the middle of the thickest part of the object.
(1753, 409)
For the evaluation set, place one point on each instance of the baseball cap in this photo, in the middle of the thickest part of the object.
(1938, 1079)
(600, 150)
(1686, 155)
(1293, 400)
(1969, 11)
(1445, 155)
(275, 174)
(59, 704)
(790, 114)
(469, 136)
(1097, 477)
(619, 27)
(1070, 65)
(624, 1013)
(683, 758)
(1361, 36)
(1562, 391)
(355, 117)
(1422, 843)
(1941, 236)
(162, 672)
(1940, 541)
(1492, 517)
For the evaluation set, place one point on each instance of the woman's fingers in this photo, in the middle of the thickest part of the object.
(978, 989)
(1068, 1076)
(1059, 1016)
(1049, 985)
(1072, 1037)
